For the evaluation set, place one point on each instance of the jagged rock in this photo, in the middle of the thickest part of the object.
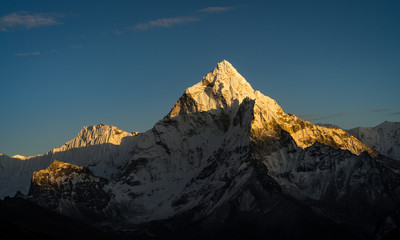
(65, 187)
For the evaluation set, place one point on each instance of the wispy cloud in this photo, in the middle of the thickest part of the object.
(336, 115)
(18, 20)
(381, 110)
(394, 113)
(309, 115)
(27, 54)
(316, 116)
(169, 22)
(215, 9)
(163, 22)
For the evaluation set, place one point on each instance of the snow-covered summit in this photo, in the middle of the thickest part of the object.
(20, 157)
(225, 89)
(221, 88)
(96, 135)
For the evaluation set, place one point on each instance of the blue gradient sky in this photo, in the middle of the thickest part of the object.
(69, 64)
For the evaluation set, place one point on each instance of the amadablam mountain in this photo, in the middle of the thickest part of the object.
(226, 163)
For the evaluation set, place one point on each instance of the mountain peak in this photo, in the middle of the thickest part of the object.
(218, 89)
(96, 135)
(225, 89)
(225, 66)
(20, 157)
(225, 73)
(55, 170)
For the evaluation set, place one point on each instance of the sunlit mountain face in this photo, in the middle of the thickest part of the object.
(226, 162)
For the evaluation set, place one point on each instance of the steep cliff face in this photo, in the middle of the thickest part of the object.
(16, 174)
(185, 161)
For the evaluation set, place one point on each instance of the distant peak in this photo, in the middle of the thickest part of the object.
(98, 127)
(55, 165)
(19, 157)
(57, 169)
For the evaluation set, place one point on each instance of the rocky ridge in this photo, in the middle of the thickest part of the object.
(65, 187)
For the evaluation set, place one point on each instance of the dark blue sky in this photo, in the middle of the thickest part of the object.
(67, 64)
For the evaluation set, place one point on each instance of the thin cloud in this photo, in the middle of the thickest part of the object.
(215, 9)
(381, 110)
(394, 114)
(163, 22)
(309, 115)
(27, 54)
(18, 20)
(337, 115)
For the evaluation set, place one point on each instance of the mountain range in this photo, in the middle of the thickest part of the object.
(226, 162)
